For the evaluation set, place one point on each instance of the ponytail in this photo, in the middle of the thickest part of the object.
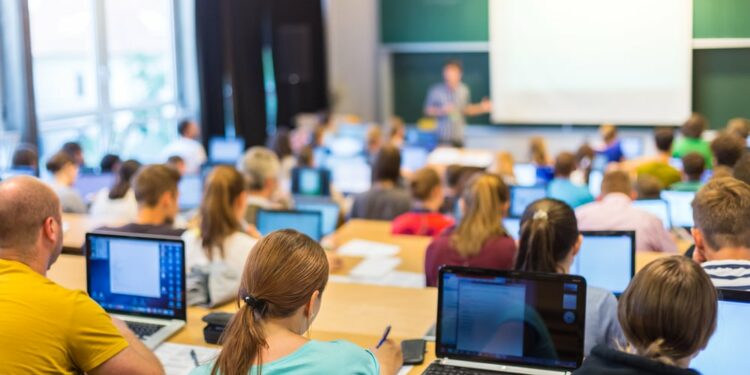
(218, 220)
(484, 200)
(243, 341)
(122, 185)
(549, 230)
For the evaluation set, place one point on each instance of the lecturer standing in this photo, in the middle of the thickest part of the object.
(449, 103)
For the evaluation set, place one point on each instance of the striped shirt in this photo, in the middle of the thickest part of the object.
(729, 274)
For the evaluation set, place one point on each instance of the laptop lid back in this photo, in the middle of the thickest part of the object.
(727, 351)
(329, 212)
(606, 259)
(680, 207)
(308, 222)
(656, 207)
(511, 318)
(190, 192)
(522, 196)
(225, 150)
(314, 182)
(139, 275)
(88, 184)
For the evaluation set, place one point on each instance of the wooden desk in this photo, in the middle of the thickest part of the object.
(75, 228)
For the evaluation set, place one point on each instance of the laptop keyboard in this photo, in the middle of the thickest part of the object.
(143, 330)
(438, 369)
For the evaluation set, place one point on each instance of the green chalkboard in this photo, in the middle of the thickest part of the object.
(721, 19)
(414, 73)
(721, 84)
(434, 21)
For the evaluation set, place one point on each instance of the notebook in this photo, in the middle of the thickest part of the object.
(606, 259)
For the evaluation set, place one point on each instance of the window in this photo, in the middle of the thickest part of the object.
(105, 75)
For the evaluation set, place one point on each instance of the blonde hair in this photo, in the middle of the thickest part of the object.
(217, 217)
(484, 200)
(608, 132)
(258, 165)
(538, 150)
(503, 165)
(668, 312)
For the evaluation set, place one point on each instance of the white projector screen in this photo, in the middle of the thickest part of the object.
(591, 61)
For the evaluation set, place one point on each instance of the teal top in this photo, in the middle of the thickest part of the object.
(568, 192)
(317, 357)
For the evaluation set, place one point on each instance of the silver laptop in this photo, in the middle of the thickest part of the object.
(139, 279)
(606, 259)
(508, 322)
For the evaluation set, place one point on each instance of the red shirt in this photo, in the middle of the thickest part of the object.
(421, 223)
(497, 253)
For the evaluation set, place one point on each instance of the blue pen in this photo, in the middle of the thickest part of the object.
(385, 337)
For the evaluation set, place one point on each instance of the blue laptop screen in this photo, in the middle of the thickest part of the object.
(656, 207)
(727, 349)
(225, 150)
(680, 207)
(328, 211)
(511, 320)
(311, 182)
(191, 192)
(606, 260)
(521, 197)
(513, 227)
(143, 276)
(307, 222)
(89, 184)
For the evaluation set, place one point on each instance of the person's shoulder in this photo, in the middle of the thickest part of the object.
(240, 240)
(344, 354)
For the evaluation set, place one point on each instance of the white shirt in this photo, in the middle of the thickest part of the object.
(123, 210)
(189, 150)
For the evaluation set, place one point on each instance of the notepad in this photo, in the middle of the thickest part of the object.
(368, 249)
(177, 360)
(374, 268)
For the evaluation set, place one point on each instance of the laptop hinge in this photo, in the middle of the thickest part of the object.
(503, 368)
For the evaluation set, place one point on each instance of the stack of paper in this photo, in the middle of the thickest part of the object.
(378, 267)
(368, 249)
(177, 360)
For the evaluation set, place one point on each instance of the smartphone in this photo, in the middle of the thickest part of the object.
(413, 351)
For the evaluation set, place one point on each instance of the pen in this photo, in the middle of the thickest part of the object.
(385, 337)
(194, 357)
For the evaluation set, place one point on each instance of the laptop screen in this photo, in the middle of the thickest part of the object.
(329, 212)
(632, 147)
(513, 227)
(350, 175)
(311, 181)
(727, 348)
(413, 158)
(525, 174)
(307, 222)
(137, 275)
(595, 182)
(656, 207)
(88, 184)
(606, 260)
(191, 192)
(225, 150)
(680, 207)
(522, 196)
(505, 317)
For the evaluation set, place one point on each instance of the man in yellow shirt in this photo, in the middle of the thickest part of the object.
(45, 328)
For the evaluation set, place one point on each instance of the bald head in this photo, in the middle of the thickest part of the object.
(25, 205)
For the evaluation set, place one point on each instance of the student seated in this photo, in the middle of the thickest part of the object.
(187, 146)
(373, 142)
(693, 166)
(424, 218)
(663, 299)
(155, 189)
(396, 132)
(541, 159)
(611, 146)
(64, 175)
(261, 169)
(648, 187)
(110, 163)
(692, 141)
(75, 151)
(549, 242)
(215, 251)
(281, 144)
(658, 166)
(281, 291)
(616, 212)
(118, 203)
(479, 239)
(727, 149)
(25, 157)
(386, 199)
(722, 232)
(456, 177)
(177, 163)
(739, 126)
(562, 188)
(45, 328)
(742, 169)
(503, 167)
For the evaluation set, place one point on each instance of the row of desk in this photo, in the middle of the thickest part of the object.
(353, 312)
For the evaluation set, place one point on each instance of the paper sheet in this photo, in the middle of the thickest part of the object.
(177, 360)
(394, 278)
(368, 249)
(405, 370)
(375, 268)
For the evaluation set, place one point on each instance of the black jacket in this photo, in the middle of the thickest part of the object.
(606, 361)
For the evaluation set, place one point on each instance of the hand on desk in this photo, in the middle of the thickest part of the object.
(390, 357)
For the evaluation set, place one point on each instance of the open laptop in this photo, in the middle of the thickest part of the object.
(139, 279)
(88, 184)
(680, 207)
(513, 227)
(191, 192)
(351, 175)
(309, 223)
(727, 351)
(508, 322)
(606, 259)
(413, 158)
(311, 182)
(522, 196)
(223, 150)
(656, 207)
(329, 212)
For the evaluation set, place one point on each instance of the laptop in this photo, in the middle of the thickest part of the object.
(632, 147)
(606, 259)
(191, 192)
(525, 174)
(656, 207)
(225, 150)
(329, 212)
(309, 223)
(727, 350)
(413, 158)
(352, 175)
(595, 182)
(513, 227)
(311, 182)
(88, 184)
(504, 322)
(139, 279)
(680, 207)
(522, 196)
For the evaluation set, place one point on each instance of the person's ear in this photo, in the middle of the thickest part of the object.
(577, 246)
(50, 230)
(699, 253)
(313, 306)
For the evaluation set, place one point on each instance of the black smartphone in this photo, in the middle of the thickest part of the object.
(413, 351)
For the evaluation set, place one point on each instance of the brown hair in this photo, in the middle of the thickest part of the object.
(387, 165)
(565, 164)
(306, 157)
(728, 149)
(218, 220)
(538, 150)
(281, 274)
(739, 126)
(664, 298)
(742, 169)
(616, 182)
(721, 210)
(648, 186)
(663, 137)
(694, 126)
(124, 176)
(25, 155)
(484, 198)
(549, 230)
(152, 181)
(423, 183)
(59, 161)
(693, 164)
(281, 143)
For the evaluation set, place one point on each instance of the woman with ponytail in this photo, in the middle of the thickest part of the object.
(280, 296)
(479, 239)
(549, 242)
(216, 250)
(668, 314)
(118, 204)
